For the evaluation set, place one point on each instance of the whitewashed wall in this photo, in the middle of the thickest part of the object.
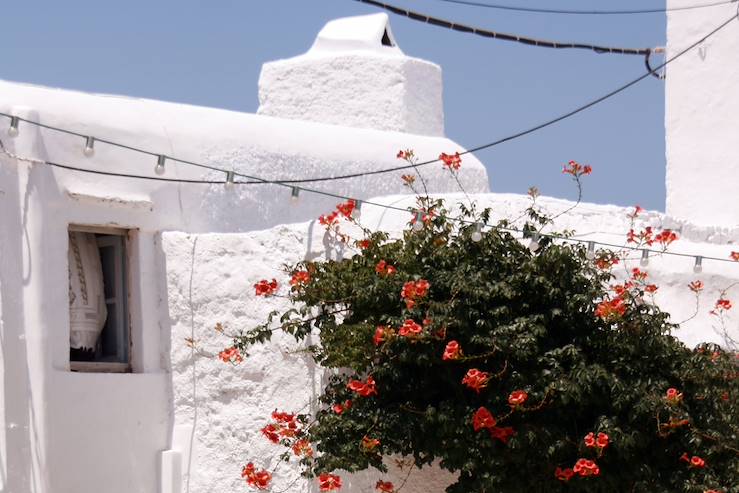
(210, 279)
(701, 122)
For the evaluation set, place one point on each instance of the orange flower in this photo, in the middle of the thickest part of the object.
(231, 355)
(384, 486)
(665, 237)
(517, 398)
(609, 310)
(265, 287)
(734, 256)
(564, 474)
(257, 479)
(476, 379)
(328, 482)
(673, 396)
(301, 277)
(370, 444)
(302, 447)
(452, 351)
(723, 304)
(412, 291)
(329, 220)
(451, 161)
(586, 467)
(346, 209)
(380, 335)
(651, 288)
(696, 286)
(340, 408)
(385, 269)
(697, 462)
(365, 389)
(363, 244)
(502, 434)
(483, 419)
(410, 329)
(600, 442)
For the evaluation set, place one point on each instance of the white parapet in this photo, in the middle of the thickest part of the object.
(356, 75)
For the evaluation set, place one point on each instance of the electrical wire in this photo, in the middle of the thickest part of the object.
(436, 21)
(344, 197)
(587, 12)
(253, 180)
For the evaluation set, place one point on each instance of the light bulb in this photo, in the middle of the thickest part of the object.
(477, 233)
(534, 245)
(590, 254)
(89, 147)
(13, 130)
(159, 169)
(644, 258)
(229, 180)
(294, 193)
(698, 267)
(418, 224)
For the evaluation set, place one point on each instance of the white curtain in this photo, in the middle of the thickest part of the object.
(87, 312)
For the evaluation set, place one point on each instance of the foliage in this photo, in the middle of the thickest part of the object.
(558, 357)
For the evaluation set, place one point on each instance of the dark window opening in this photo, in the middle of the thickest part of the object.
(386, 41)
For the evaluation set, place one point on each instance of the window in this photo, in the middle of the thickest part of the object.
(100, 339)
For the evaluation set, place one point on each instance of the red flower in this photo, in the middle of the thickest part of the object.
(586, 467)
(412, 291)
(452, 161)
(638, 274)
(576, 169)
(696, 286)
(364, 244)
(231, 355)
(272, 433)
(673, 396)
(610, 309)
(637, 211)
(370, 444)
(302, 447)
(665, 237)
(606, 262)
(723, 304)
(564, 474)
(301, 277)
(517, 398)
(257, 479)
(408, 180)
(340, 408)
(346, 209)
(328, 482)
(265, 287)
(385, 269)
(410, 329)
(384, 486)
(483, 419)
(651, 288)
(452, 351)
(734, 256)
(502, 434)
(601, 442)
(476, 379)
(365, 389)
(697, 462)
(380, 333)
(407, 154)
(329, 220)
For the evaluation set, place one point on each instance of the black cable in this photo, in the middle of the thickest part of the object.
(383, 206)
(292, 182)
(503, 36)
(532, 129)
(586, 12)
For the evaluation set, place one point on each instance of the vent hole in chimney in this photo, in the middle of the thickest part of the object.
(386, 39)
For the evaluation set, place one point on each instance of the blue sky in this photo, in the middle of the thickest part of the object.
(209, 52)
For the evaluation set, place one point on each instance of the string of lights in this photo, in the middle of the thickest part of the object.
(588, 12)
(487, 33)
(160, 168)
(476, 235)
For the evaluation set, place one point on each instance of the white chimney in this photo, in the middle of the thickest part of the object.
(355, 75)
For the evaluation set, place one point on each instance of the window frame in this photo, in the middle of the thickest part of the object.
(128, 236)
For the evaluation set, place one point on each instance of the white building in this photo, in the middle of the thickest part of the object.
(153, 415)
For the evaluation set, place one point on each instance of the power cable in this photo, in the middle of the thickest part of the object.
(436, 21)
(292, 183)
(587, 12)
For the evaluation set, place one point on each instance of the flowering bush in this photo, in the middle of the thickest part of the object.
(518, 370)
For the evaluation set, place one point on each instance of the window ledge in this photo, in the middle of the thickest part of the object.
(99, 367)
